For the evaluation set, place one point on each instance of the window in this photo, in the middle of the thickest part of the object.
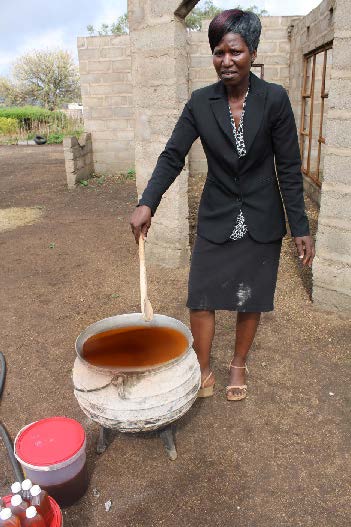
(259, 70)
(315, 87)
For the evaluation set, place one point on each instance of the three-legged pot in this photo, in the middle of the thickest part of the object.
(141, 399)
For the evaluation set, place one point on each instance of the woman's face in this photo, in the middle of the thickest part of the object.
(232, 59)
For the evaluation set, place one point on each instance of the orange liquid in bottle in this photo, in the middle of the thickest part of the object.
(13, 521)
(42, 503)
(33, 521)
(19, 508)
(134, 346)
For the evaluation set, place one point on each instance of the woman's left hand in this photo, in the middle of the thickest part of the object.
(305, 248)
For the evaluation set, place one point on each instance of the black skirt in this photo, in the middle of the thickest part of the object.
(238, 275)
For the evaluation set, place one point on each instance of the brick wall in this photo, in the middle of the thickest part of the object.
(106, 84)
(332, 265)
(105, 68)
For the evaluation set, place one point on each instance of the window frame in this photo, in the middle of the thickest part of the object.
(306, 170)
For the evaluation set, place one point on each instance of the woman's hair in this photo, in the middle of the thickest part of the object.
(245, 23)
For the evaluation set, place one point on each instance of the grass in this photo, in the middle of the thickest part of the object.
(98, 179)
(32, 121)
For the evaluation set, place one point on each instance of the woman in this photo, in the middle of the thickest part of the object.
(248, 133)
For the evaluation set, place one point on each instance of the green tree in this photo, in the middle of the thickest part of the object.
(121, 26)
(12, 94)
(208, 10)
(194, 19)
(117, 28)
(91, 30)
(104, 30)
(47, 77)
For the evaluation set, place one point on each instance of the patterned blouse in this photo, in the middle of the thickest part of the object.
(240, 228)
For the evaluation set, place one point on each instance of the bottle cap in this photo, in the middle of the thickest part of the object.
(5, 514)
(26, 484)
(31, 512)
(16, 487)
(35, 490)
(16, 500)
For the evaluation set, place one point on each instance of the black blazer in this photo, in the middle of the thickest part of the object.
(254, 183)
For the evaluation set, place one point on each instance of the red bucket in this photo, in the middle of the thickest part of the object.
(57, 514)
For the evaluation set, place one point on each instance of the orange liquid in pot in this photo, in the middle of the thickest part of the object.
(134, 346)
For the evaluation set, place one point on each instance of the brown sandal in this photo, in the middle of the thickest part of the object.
(206, 391)
(243, 387)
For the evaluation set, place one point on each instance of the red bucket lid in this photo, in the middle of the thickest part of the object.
(50, 443)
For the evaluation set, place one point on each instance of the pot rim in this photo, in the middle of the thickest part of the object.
(107, 323)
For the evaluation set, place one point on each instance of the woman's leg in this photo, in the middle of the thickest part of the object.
(246, 327)
(203, 328)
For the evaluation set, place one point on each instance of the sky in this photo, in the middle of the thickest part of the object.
(25, 26)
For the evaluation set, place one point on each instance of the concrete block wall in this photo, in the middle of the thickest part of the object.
(273, 53)
(160, 90)
(201, 73)
(107, 88)
(274, 49)
(78, 158)
(106, 85)
(308, 34)
(332, 265)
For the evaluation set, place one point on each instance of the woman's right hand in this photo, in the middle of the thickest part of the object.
(140, 221)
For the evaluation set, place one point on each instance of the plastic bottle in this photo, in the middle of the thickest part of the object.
(40, 499)
(26, 486)
(16, 488)
(33, 518)
(18, 506)
(7, 519)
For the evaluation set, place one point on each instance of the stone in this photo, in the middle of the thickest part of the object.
(112, 52)
(89, 54)
(99, 41)
(340, 94)
(330, 300)
(338, 132)
(334, 240)
(81, 42)
(121, 40)
(120, 65)
(96, 124)
(337, 168)
(268, 47)
(97, 66)
(93, 102)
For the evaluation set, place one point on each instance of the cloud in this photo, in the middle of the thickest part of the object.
(289, 8)
(274, 7)
(109, 12)
(55, 24)
(47, 40)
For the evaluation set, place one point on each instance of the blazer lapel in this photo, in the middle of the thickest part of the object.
(219, 105)
(254, 110)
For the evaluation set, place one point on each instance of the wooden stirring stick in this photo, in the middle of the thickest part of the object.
(146, 307)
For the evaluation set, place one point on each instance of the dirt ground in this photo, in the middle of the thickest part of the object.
(279, 458)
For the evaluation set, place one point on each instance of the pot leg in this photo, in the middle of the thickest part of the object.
(166, 434)
(102, 442)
